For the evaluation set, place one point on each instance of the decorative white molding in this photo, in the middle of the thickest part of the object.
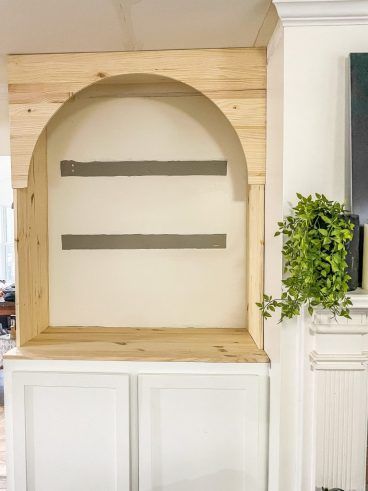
(322, 12)
(334, 361)
(360, 299)
(324, 323)
(339, 329)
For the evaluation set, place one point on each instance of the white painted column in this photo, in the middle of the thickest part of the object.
(318, 369)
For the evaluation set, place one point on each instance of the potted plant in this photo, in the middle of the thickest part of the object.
(317, 233)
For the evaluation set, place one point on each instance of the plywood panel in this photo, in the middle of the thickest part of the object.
(39, 84)
(32, 249)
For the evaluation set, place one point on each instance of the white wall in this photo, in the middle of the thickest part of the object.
(146, 287)
(4, 113)
(6, 192)
(316, 102)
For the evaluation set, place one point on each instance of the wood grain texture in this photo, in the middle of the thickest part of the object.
(32, 279)
(130, 344)
(255, 273)
(234, 79)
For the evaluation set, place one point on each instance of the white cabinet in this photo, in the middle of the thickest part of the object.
(202, 433)
(127, 426)
(71, 432)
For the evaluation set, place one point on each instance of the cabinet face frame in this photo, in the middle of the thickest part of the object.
(233, 79)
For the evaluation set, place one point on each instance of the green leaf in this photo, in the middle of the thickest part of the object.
(316, 233)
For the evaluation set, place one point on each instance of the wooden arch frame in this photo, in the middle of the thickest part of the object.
(233, 79)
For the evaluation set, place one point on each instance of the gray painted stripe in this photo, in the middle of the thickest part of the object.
(144, 168)
(138, 241)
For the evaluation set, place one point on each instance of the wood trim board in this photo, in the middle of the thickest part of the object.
(234, 79)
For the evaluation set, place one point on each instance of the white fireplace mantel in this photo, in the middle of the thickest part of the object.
(335, 398)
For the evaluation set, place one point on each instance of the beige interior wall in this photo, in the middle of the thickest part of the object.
(146, 288)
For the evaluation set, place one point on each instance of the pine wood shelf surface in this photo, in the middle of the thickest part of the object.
(142, 344)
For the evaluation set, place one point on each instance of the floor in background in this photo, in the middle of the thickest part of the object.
(2, 435)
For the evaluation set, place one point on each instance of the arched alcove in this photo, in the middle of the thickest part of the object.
(140, 120)
(40, 84)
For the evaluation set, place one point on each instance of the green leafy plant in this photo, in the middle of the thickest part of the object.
(316, 233)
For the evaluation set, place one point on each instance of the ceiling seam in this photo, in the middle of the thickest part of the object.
(262, 24)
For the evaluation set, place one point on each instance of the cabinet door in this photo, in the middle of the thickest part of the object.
(202, 432)
(71, 432)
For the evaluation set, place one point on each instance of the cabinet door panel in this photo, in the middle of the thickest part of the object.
(202, 433)
(71, 432)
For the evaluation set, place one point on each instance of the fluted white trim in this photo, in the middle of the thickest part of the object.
(322, 12)
(341, 429)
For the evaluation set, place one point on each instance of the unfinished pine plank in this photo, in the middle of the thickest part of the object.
(120, 86)
(134, 344)
(31, 236)
(253, 140)
(223, 64)
(255, 261)
(234, 79)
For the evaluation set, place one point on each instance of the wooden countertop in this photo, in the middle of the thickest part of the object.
(142, 344)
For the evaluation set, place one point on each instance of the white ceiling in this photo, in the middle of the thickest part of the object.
(49, 26)
(30, 26)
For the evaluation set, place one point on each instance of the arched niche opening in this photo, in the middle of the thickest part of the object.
(143, 119)
(37, 208)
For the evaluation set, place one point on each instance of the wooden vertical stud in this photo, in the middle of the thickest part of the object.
(255, 260)
(32, 249)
